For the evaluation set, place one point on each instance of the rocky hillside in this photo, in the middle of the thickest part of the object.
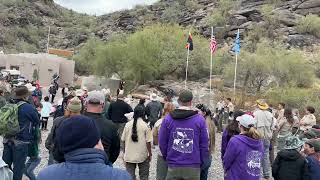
(247, 15)
(24, 24)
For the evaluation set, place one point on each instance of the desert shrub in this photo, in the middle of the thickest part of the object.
(295, 97)
(309, 24)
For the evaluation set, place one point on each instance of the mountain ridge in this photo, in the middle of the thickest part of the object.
(24, 24)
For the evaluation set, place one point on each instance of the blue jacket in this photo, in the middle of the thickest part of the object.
(313, 167)
(83, 164)
(28, 119)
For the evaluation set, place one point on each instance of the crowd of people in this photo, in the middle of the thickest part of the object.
(91, 130)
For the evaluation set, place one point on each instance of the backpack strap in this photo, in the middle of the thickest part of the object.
(20, 103)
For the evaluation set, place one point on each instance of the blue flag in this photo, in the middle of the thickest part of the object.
(236, 47)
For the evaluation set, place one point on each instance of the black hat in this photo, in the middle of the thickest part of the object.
(77, 132)
(185, 96)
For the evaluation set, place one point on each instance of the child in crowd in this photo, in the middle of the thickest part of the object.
(244, 153)
(45, 113)
(312, 151)
(137, 138)
(231, 130)
(289, 163)
(308, 120)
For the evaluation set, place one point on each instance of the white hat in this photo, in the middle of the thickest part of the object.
(30, 87)
(154, 97)
(246, 121)
(79, 92)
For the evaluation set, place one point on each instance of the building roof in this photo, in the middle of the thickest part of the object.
(37, 56)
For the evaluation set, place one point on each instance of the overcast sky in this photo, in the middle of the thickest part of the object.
(99, 7)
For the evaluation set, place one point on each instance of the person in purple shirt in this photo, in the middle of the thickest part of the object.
(242, 159)
(231, 130)
(183, 140)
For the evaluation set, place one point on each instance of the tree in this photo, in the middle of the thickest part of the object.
(86, 58)
(271, 65)
(153, 53)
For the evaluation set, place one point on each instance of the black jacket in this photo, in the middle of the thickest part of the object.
(109, 135)
(290, 165)
(51, 140)
(117, 110)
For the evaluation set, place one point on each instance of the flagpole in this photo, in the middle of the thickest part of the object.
(187, 66)
(48, 40)
(211, 62)
(236, 50)
(235, 77)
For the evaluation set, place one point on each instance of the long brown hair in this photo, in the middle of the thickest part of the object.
(168, 108)
(288, 115)
(212, 133)
(251, 132)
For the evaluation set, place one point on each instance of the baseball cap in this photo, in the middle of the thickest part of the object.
(314, 143)
(246, 121)
(96, 97)
(185, 96)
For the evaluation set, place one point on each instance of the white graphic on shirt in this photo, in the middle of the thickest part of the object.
(254, 162)
(183, 140)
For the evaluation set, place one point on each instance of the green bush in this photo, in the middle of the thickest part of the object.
(309, 24)
(295, 97)
(171, 14)
(28, 48)
(153, 53)
(193, 5)
(271, 65)
(10, 3)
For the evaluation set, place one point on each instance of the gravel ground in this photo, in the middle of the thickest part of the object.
(215, 171)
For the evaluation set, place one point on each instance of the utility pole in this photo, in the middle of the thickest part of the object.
(48, 40)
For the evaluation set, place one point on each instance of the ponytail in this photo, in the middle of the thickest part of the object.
(134, 135)
(252, 133)
(139, 112)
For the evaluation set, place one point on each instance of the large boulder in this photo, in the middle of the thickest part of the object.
(307, 7)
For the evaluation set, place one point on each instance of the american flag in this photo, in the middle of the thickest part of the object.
(213, 44)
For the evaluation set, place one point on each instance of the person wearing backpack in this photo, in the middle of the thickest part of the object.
(17, 122)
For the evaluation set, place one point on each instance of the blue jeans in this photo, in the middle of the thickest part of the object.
(16, 155)
(51, 159)
(265, 160)
(162, 168)
(205, 168)
(31, 164)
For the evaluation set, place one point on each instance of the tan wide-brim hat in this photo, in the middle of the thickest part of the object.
(262, 104)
